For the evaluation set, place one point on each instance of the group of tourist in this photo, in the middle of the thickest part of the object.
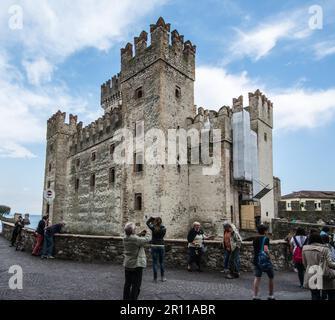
(44, 237)
(313, 256)
(135, 259)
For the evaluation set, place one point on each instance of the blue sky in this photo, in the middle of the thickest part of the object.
(65, 50)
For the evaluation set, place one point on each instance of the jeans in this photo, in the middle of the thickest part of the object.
(234, 261)
(133, 281)
(158, 256)
(226, 256)
(48, 245)
(301, 272)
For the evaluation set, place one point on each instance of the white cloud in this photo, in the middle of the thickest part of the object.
(52, 31)
(38, 71)
(294, 109)
(324, 49)
(58, 28)
(215, 87)
(303, 108)
(14, 150)
(24, 111)
(259, 41)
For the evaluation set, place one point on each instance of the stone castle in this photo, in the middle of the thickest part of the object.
(154, 89)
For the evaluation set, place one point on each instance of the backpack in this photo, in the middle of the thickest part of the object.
(297, 254)
(264, 262)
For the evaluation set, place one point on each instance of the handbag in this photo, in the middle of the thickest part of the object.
(327, 272)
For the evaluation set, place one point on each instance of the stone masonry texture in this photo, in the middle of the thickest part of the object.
(155, 88)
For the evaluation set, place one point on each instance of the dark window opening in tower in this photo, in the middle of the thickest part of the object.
(265, 136)
(77, 184)
(93, 156)
(78, 163)
(49, 184)
(50, 166)
(178, 92)
(139, 93)
(111, 175)
(48, 208)
(92, 182)
(112, 149)
(138, 201)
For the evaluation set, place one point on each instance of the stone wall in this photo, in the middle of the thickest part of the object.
(110, 249)
(280, 228)
(307, 216)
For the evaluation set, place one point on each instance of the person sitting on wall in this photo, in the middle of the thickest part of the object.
(134, 260)
(157, 245)
(39, 233)
(19, 224)
(196, 246)
(232, 242)
(48, 244)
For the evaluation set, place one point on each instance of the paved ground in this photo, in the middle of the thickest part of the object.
(67, 280)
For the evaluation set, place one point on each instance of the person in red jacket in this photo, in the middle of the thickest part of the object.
(40, 235)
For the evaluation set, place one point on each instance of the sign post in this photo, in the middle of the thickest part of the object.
(49, 195)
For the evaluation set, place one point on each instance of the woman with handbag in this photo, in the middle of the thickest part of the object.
(320, 273)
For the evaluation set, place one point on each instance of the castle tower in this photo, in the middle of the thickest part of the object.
(157, 84)
(261, 117)
(58, 133)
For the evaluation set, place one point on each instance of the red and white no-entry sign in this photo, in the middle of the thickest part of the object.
(49, 195)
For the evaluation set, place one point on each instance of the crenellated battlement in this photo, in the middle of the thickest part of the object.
(238, 104)
(170, 48)
(218, 120)
(111, 93)
(98, 130)
(260, 107)
(56, 124)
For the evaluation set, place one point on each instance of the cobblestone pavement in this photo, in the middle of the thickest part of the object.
(67, 280)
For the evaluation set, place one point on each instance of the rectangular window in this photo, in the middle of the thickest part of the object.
(49, 184)
(289, 204)
(178, 92)
(48, 208)
(265, 136)
(76, 187)
(112, 175)
(78, 163)
(112, 149)
(93, 156)
(92, 182)
(138, 201)
(139, 93)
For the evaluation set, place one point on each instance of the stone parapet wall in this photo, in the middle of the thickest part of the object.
(110, 249)
(280, 228)
(307, 216)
